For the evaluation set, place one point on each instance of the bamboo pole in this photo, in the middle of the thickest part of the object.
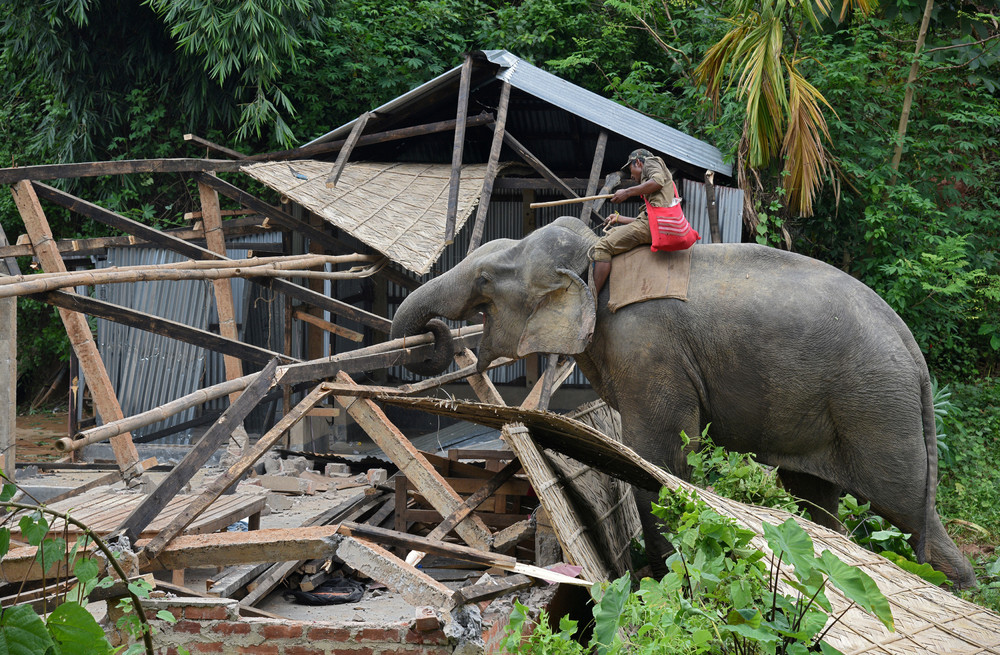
(45, 282)
(78, 330)
(570, 201)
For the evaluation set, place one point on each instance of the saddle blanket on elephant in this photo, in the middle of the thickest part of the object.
(641, 274)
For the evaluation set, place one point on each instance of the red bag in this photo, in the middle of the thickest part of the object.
(668, 227)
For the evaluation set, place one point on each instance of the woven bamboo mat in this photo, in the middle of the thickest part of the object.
(928, 619)
(399, 209)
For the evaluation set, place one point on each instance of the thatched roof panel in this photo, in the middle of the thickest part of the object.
(399, 209)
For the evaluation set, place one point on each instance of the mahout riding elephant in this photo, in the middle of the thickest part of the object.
(786, 357)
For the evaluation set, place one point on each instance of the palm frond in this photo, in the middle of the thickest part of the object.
(712, 69)
(806, 160)
(866, 7)
(762, 82)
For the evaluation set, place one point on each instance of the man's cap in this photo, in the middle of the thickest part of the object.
(640, 154)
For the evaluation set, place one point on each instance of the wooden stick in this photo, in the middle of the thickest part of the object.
(458, 148)
(345, 152)
(121, 167)
(491, 168)
(570, 201)
(223, 150)
(327, 326)
(595, 174)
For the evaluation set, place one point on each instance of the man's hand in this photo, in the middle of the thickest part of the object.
(621, 195)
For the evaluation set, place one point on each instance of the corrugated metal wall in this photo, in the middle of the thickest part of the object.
(148, 370)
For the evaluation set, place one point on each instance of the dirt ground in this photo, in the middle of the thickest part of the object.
(37, 433)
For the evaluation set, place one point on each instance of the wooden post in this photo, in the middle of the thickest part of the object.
(215, 240)
(8, 369)
(345, 152)
(595, 175)
(457, 149)
(78, 329)
(491, 168)
(713, 209)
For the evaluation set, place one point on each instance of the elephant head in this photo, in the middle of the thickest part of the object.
(530, 293)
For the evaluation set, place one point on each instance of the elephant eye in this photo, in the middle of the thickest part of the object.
(483, 278)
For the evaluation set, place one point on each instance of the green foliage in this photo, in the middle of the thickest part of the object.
(718, 593)
(69, 628)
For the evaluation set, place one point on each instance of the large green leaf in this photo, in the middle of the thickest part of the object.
(22, 632)
(607, 612)
(793, 544)
(925, 571)
(34, 528)
(50, 552)
(857, 586)
(76, 631)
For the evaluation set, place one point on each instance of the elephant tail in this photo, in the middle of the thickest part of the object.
(930, 440)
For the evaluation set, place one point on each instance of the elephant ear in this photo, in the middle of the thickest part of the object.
(562, 321)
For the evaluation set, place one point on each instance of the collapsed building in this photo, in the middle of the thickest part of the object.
(263, 326)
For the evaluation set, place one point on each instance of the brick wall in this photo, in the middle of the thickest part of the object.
(214, 626)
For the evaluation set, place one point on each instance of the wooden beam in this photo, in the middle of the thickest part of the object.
(541, 168)
(327, 326)
(412, 464)
(185, 333)
(345, 152)
(491, 168)
(231, 475)
(713, 208)
(595, 175)
(78, 330)
(464, 553)
(416, 587)
(117, 221)
(610, 182)
(513, 534)
(234, 579)
(458, 149)
(216, 435)
(119, 167)
(311, 151)
(222, 150)
(479, 593)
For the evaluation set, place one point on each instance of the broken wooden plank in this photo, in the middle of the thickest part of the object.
(513, 534)
(119, 167)
(414, 542)
(470, 504)
(110, 478)
(222, 150)
(234, 579)
(78, 330)
(412, 464)
(229, 477)
(311, 581)
(458, 148)
(491, 168)
(595, 175)
(379, 564)
(486, 591)
(199, 454)
(315, 149)
(345, 151)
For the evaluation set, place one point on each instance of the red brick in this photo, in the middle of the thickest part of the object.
(232, 628)
(330, 634)
(392, 635)
(210, 647)
(430, 637)
(352, 651)
(280, 631)
(263, 649)
(216, 613)
(188, 627)
(302, 650)
(176, 611)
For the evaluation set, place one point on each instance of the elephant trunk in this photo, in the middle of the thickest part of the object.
(417, 314)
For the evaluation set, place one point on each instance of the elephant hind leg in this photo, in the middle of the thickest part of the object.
(942, 553)
(817, 496)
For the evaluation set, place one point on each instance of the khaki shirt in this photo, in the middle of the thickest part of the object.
(654, 169)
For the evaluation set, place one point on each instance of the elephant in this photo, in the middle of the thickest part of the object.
(784, 356)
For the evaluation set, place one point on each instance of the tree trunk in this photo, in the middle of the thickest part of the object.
(910, 81)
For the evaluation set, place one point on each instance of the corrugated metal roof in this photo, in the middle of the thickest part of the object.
(560, 93)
